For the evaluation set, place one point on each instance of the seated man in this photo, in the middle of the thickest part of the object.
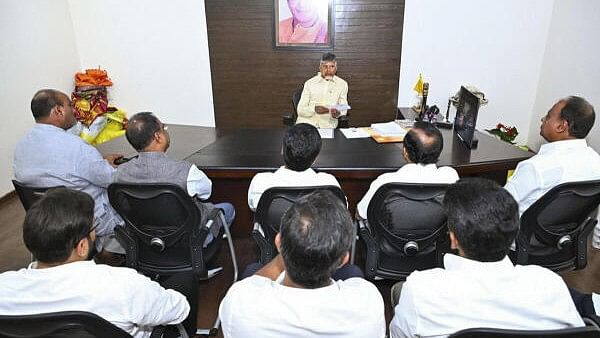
(294, 294)
(566, 158)
(59, 232)
(150, 138)
(480, 287)
(422, 147)
(301, 146)
(48, 156)
(320, 93)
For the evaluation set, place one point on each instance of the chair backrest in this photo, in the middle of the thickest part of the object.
(296, 95)
(59, 324)
(579, 332)
(408, 224)
(274, 202)
(554, 229)
(162, 227)
(29, 195)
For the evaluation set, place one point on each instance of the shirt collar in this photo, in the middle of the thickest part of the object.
(565, 144)
(454, 262)
(308, 171)
(46, 126)
(321, 79)
(152, 154)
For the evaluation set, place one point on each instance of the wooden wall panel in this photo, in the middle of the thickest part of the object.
(252, 82)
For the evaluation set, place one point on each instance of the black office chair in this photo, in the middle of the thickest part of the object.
(59, 324)
(554, 230)
(579, 332)
(162, 233)
(405, 230)
(29, 195)
(273, 203)
(289, 119)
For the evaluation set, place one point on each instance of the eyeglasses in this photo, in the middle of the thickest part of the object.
(88, 232)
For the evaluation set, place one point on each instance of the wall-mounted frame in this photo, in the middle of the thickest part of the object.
(303, 24)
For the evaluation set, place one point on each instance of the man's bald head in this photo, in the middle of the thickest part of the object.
(423, 143)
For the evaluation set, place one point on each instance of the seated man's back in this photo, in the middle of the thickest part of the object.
(480, 287)
(565, 158)
(48, 156)
(294, 295)
(59, 232)
(301, 146)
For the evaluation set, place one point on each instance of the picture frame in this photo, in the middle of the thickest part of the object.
(314, 23)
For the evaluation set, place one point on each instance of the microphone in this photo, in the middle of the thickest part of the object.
(424, 101)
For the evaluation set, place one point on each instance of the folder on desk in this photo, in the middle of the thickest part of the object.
(386, 132)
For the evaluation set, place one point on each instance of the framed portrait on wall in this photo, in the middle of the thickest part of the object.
(303, 24)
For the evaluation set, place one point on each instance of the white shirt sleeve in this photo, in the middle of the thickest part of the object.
(363, 205)
(198, 183)
(404, 323)
(523, 184)
(344, 99)
(255, 191)
(150, 304)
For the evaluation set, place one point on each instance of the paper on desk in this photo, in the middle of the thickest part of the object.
(326, 132)
(354, 133)
(388, 129)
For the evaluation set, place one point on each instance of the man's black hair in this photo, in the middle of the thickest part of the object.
(327, 57)
(301, 146)
(483, 216)
(423, 143)
(56, 223)
(44, 101)
(579, 114)
(141, 129)
(316, 234)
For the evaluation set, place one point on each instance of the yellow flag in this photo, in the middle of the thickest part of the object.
(419, 85)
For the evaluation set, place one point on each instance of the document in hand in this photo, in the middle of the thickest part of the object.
(339, 107)
(388, 129)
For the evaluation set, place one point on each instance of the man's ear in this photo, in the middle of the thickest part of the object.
(563, 126)
(278, 241)
(82, 248)
(345, 259)
(453, 241)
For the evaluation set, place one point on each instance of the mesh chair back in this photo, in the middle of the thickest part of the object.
(29, 195)
(162, 227)
(408, 225)
(554, 230)
(59, 324)
(579, 332)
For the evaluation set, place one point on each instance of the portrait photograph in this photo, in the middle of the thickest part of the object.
(303, 24)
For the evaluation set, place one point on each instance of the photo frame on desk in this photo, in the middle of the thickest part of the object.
(303, 24)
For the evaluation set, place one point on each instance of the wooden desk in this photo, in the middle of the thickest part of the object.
(233, 159)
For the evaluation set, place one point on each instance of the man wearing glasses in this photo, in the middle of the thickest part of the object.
(58, 231)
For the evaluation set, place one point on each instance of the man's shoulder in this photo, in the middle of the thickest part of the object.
(340, 80)
(312, 80)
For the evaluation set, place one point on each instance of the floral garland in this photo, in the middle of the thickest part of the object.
(505, 133)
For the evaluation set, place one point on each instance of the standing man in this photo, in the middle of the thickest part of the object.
(321, 93)
(48, 156)
(565, 158)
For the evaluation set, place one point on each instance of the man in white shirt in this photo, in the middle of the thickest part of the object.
(149, 136)
(566, 158)
(321, 93)
(58, 230)
(480, 287)
(294, 294)
(301, 146)
(423, 145)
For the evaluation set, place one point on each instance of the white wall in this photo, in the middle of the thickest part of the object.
(497, 46)
(155, 51)
(37, 50)
(571, 65)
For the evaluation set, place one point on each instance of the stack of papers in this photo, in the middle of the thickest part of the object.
(389, 129)
(326, 132)
(354, 133)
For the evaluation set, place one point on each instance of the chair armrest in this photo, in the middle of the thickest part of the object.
(343, 121)
(212, 217)
(267, 251)
(288, 119)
